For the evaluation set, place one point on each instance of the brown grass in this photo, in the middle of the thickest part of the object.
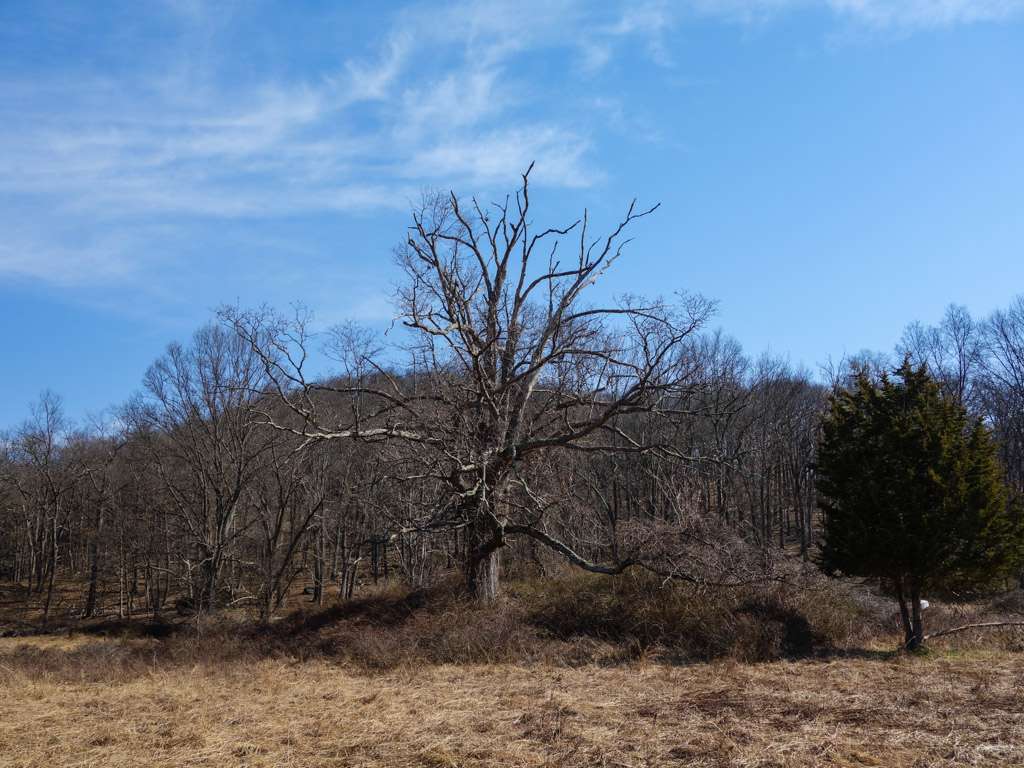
(875, 710)
(578, 671)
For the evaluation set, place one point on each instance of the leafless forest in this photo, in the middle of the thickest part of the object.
(516, 426)
(510, 531)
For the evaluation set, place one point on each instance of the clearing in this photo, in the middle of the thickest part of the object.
(869, 709)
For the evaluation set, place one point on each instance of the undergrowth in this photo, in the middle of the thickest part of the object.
(572, 620)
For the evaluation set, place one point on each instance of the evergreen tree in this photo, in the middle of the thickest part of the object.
(912, 492)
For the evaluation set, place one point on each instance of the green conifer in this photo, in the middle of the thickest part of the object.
(912, 492)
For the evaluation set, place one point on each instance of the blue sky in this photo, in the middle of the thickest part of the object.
(829, 171)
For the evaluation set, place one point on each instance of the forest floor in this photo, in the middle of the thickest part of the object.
(867, 709)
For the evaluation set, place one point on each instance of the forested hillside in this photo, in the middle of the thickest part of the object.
(522, 423)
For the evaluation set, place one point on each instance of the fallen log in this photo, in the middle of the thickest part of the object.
(982, 625)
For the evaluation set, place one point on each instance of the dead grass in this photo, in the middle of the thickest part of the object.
(874, 710)
(572, 672)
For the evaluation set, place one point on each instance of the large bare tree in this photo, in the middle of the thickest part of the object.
(514, 360)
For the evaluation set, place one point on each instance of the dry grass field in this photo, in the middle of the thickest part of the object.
(872, 710)
(571, 672)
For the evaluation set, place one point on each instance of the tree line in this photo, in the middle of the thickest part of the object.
(521, 422)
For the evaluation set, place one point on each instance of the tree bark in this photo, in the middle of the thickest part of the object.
(916, 622)
(484, 542)
(208, 572)
(483, 574)
(52, 574)
(908, 593)
(94, 566)
(901, 598)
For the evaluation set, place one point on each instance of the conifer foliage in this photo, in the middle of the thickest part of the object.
(912, 491)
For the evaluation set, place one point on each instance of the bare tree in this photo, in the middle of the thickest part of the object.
(103, 481)
(287, 496)
(509, 367)
(952, 350)
(195, 425)
(1002, 385)
(44, 478)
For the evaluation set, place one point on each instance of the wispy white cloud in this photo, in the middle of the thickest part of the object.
(177, 141)
(498, 156)
(179, 144)
(374, 79)
(55, 260)
(877, 13)
(649, 21)
(458, 99)
(438, 98)
(928, 13)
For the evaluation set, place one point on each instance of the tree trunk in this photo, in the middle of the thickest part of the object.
(318, 580)
(483, 574)
(909, 596)
(94, 566)
(208, 569)
(94, 570)
(52, 575)
(269, 587)
(916, 622)
(483, 543)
